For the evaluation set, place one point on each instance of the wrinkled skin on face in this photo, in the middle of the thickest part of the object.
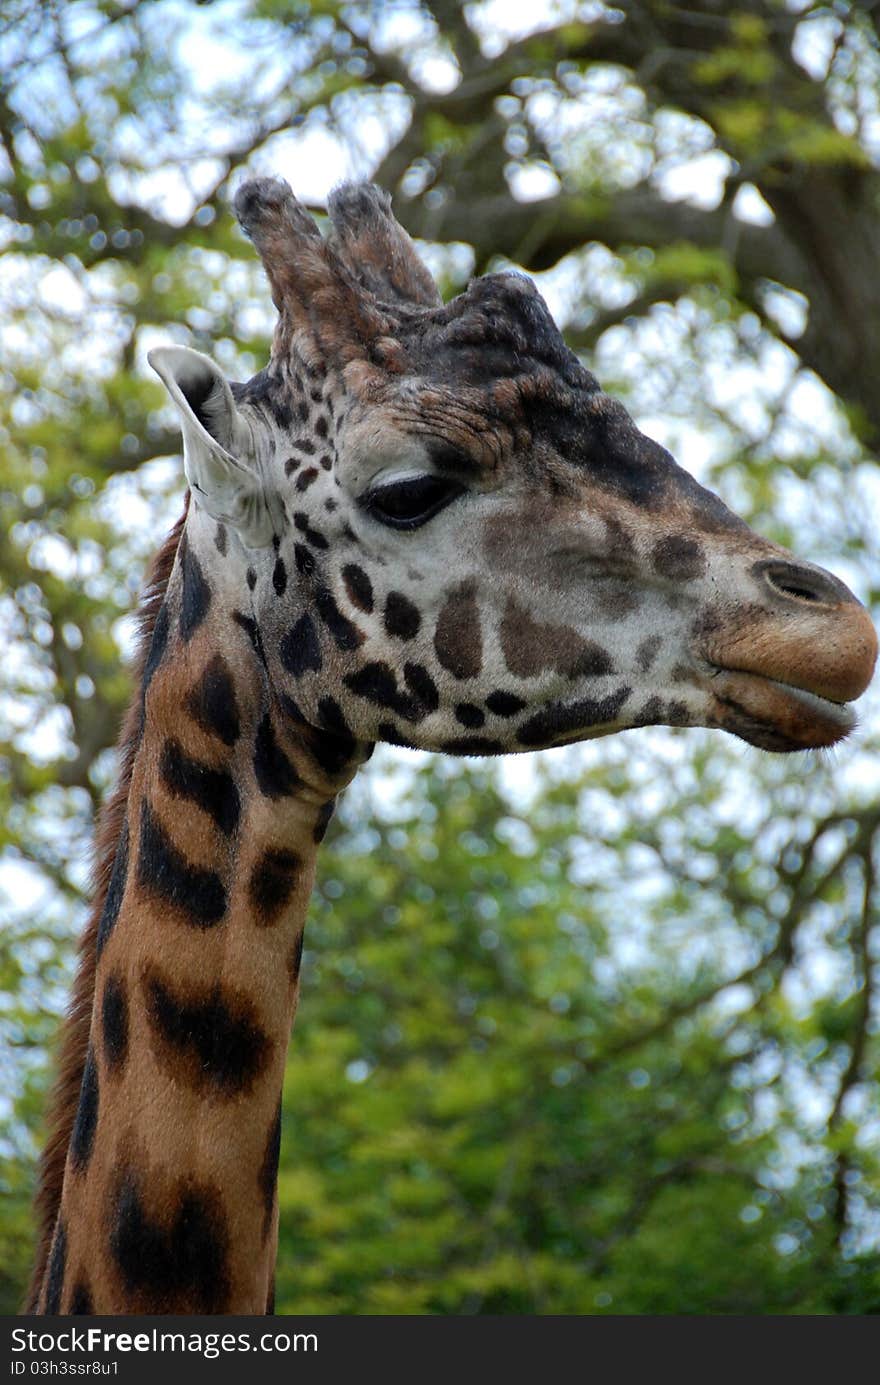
(443, 534)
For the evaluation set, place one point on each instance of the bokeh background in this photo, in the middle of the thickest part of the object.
(585, 1032)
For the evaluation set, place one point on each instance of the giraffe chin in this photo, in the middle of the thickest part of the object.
(777, 716)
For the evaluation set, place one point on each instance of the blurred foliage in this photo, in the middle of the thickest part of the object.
(607, 1042)
(514, 1090)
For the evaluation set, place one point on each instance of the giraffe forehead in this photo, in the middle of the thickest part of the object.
(483, 408)
(419, 425)
(558, 432)
(474, 374)
(499, 327)
(534, 415)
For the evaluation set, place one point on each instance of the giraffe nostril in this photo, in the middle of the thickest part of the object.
(798, 583)
(796, 589)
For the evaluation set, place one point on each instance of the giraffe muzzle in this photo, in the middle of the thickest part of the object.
(782, 678)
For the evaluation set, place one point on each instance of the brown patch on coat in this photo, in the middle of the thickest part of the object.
(678, 557)
(458, 639)
(531, 647)
(647, 652)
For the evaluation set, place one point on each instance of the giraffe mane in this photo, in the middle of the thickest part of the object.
(75, 1033)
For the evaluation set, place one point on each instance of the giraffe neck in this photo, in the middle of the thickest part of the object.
(169, 1196)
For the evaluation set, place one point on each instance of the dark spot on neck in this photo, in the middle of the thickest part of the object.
(208, 1037)
(295, 961)
(158, 645)
(304, 559)
(276, 776)
(212, 790)
(212, 703)
(81, 1299)
(57, 1266)
(115, 891)
(269, 1171)
(340, 735)
(195, 594)
(85, 1124)
(252, 630)
(181, 1267)
(272, 882)
(422, 686)
(198, 895)
(346, 635)
(114, 1022)
(311, 535)
(300, 650)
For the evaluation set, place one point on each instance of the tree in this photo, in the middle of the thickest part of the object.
(525, 1080)
(697, 187)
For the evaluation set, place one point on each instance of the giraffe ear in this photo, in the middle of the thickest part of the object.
(218, 453)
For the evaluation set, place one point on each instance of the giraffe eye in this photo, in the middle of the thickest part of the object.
(407, 504)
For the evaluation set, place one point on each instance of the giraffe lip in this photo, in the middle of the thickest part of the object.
(841, 712)
(776, 715)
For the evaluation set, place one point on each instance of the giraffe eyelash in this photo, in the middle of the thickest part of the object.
(410, 503)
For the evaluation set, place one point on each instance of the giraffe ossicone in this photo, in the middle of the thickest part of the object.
(421, 523)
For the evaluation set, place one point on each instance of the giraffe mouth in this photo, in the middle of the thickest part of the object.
(773, 715)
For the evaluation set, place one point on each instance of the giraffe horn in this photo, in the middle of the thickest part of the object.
(376, 249)
(311, 286)
(282, 231)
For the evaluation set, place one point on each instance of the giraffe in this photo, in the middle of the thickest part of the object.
(424, 524)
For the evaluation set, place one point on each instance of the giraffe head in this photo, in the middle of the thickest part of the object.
(446, 535)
